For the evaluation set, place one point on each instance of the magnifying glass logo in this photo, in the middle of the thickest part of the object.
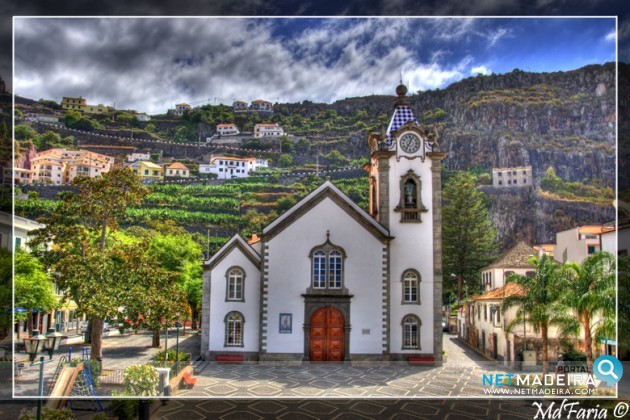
(610, 369)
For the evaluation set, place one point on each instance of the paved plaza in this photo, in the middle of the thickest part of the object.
(327, 390)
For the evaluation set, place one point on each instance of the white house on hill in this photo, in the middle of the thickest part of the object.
(329, 281)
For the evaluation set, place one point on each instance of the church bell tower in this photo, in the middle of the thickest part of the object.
(405, 197)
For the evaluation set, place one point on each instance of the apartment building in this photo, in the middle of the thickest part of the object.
(61, 166)
(80, 104)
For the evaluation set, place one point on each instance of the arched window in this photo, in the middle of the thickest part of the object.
(410, 205)
(234, 329)
(335, 267)
(327, 266)
(235, 288)
(411, 194)
(411, 332)
(319, 270)
(411, 286)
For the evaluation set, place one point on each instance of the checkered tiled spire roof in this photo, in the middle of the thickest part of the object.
(402, 114)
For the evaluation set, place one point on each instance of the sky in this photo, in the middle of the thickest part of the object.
(150, 64)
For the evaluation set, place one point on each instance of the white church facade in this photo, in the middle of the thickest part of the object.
(329, 281)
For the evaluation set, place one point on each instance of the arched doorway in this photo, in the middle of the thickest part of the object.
(327, 335)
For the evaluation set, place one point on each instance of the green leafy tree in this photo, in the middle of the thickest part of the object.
(33, 288)
(336, 158)
(590, 291)
(286, 145)
(540, 304)
(285, 203)
(84, 266)
(468, 235)
(24, 132)
(285, 161)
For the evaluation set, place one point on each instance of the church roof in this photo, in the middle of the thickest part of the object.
(236, 242)
(327, 189)
(517, 257)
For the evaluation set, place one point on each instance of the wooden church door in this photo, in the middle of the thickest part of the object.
(327, 335)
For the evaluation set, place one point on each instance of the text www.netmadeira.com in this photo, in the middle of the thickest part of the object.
(538, 391)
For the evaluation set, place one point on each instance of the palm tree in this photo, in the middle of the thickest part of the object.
(589, 289)
(540, 303)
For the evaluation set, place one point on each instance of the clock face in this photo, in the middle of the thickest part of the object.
(410, 143)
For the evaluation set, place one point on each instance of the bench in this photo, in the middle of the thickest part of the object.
(230, 358)
(188, 381)
(421, 360)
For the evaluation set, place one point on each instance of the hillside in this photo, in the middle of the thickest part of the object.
(563, 120)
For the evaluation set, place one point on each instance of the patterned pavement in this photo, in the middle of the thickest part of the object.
(332, 381)
(346, 409)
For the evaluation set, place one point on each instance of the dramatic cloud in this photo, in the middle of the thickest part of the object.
(480, 70)
(149, 64)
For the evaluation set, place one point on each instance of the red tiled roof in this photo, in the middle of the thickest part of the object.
(177, 165)
(590, 229)
(499, 293)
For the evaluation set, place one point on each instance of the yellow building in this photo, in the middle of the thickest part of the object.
(148, 172)
(79, 104)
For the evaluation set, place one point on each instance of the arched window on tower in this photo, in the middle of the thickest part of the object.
(411, 194)
(410, 205)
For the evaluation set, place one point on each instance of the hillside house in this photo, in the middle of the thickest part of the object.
(148, 172)
(239, 106)
(80, 104)
(177, 170)
(261, 105)
(520, 176)
(227, 130)
(227, 167)
(268, 130)
(180, 109)
(132, 157)
(574, 245)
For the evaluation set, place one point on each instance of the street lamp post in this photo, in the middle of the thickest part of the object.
(54, 339)
(177, 327)
(166, 343)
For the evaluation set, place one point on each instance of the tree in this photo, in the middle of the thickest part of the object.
(540, 303)
(180, 255)
(336, 158)
(468, 235)
(285, 203)
(285, 160)
(589, 289)
(24, 132)
(84, 266)
(33, 288)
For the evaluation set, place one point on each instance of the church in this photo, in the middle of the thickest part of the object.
(328, 281)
